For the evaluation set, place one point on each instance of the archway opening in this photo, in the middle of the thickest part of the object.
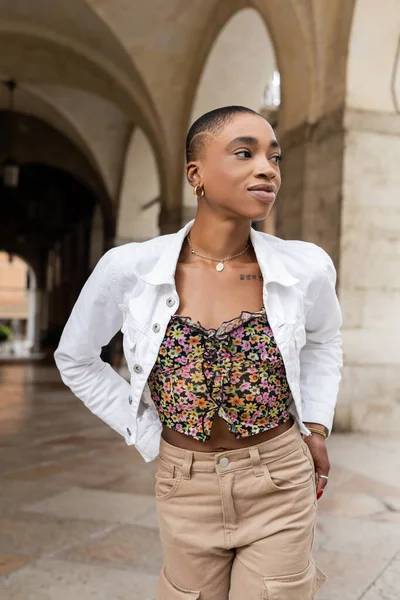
(17, 306)
(241, 69)
(48, 220)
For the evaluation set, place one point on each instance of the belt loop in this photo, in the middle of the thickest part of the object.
(256, 461)
(187, 464)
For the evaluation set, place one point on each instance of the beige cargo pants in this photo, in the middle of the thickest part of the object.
(239, 524)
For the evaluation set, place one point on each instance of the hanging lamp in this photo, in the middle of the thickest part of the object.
(11, 167)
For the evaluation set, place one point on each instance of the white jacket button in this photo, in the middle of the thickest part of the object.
(156, 327)
(130, 399)
(170, 301)
(137, 368)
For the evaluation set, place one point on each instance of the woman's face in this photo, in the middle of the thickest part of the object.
(239, 168)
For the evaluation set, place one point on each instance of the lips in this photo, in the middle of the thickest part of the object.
(266, 192)
(263, 187)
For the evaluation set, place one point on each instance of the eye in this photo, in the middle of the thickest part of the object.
(244, 154)
(277, 158)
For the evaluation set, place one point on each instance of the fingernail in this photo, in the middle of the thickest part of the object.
(320, 494)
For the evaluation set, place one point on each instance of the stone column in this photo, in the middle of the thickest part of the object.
(341, 183)
(370, 273)
(309, 203)
(32, 323)
(38, 320)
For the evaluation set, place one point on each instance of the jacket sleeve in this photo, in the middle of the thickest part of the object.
(321, 356)
(93, 322)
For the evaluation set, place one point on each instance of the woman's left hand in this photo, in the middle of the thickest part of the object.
(319, 452)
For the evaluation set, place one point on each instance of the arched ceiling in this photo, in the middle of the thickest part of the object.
(67, 44)
(74, 21)
(35, 57)
(170, 42)
(147, 59)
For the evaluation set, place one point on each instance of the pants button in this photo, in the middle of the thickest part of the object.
(223, 462)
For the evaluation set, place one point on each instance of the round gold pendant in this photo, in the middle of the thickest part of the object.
(220, 266)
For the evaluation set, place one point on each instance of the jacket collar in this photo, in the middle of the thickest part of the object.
(272, 268)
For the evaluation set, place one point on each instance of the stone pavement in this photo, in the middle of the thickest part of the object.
(77, 518)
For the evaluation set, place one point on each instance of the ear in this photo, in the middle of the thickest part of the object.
(193, 173)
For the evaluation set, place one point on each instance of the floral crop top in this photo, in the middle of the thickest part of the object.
(235, 372)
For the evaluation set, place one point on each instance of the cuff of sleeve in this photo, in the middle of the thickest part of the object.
(317, 413)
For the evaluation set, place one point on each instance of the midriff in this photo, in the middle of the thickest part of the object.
(221, 438)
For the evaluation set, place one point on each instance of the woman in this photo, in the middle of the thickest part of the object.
(232, 339)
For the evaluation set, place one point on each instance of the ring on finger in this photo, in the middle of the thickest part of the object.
(323, 477)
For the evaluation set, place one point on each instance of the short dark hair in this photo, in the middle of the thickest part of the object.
(211, 122)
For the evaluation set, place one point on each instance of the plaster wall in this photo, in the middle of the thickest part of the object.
(140, 186)
(373, 74)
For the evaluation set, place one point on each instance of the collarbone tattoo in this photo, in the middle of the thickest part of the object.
(249, 277)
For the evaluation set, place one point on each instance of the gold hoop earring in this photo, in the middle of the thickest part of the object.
(201, 193)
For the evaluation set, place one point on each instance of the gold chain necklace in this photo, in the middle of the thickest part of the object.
(220, 262)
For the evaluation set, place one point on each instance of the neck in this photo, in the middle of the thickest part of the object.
(219, 236)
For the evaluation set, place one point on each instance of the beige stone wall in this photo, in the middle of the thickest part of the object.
(369, 276)
(370, 273)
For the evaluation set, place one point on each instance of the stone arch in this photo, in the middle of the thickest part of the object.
(33, 55)
(285, 31)
(46, 106)
(33, 58)
(57, 151)
(48, 220)
(288, 32)
(234, 73)
(243, 79)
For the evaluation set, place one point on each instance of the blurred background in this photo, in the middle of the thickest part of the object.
(96, 97)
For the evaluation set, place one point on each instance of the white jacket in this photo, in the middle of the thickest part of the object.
(132, 288)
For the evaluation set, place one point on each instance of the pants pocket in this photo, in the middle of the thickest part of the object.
(168, 479)
(300, 586)
(290, 471)
(167, 590)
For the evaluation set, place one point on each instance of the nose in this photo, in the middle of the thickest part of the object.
(264, 169)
